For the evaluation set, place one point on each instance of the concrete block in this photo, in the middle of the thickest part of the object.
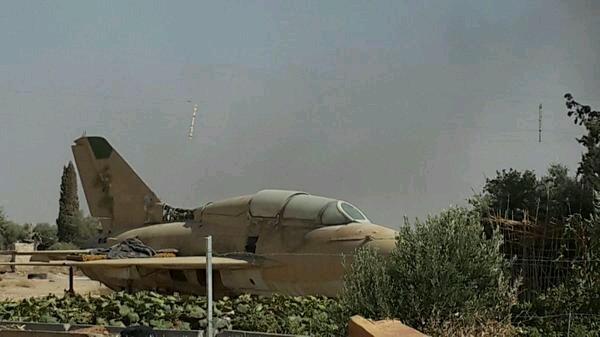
(23, 247)
(362, 327)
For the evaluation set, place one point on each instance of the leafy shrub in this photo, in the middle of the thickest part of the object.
(367, 283)
(443, 269)
(315, 316)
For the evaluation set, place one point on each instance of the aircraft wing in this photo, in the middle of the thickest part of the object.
(47, 255)
(57, 263)
(53, 252)
(181, 263)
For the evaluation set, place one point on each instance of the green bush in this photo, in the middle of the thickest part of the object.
(443, 269)
(367, 288)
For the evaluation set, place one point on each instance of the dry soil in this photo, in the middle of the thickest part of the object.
(17, 286)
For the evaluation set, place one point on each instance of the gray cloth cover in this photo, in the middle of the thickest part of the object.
(128, 248)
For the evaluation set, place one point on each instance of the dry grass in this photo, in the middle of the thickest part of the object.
(485, 329)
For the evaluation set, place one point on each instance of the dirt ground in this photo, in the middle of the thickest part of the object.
(17, 286)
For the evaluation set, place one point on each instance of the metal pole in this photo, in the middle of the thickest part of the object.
(191, 133)
(71, 290)
(569, 328)
(209, 290)
(540, 124)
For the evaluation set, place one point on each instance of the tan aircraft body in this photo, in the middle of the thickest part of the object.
(273, 241)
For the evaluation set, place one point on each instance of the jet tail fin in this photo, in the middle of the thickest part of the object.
(115, 194)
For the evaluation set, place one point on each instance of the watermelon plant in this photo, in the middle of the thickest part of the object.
(308, 315)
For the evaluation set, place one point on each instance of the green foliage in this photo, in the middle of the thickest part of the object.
(86, 229)
(73, 226)
(11, 232)
(552, 198)
(315, 316)
(589, 166)
(562, 195)
(573, 307)
(45, 235)
(367, 285)
(512, 192)
(68, 205)
(308, 315)
(442, 269)
(570, 309)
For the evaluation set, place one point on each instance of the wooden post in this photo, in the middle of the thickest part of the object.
(13, 258)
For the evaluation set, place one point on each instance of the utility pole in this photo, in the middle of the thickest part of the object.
(191, 133)
(540, 124)
(209, 290)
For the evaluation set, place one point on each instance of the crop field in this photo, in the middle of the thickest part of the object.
(315, 316)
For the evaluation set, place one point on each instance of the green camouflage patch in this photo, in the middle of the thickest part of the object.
(101, 147)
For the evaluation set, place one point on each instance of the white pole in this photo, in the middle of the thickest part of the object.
(209, 290)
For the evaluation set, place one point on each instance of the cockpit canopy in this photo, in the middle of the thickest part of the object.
(295, 205)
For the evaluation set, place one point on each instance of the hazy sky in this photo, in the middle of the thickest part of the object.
(400, 107)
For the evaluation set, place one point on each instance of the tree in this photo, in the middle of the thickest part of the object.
(589, 166)
(45, 235)
(552, 198)
(512, 193)
(87, 228)
(11, 232)
(562, 195)
(68, 205)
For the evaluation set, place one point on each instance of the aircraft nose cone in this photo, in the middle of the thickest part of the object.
(383, 246)
(382, 239)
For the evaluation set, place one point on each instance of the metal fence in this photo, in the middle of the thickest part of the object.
(542, 255)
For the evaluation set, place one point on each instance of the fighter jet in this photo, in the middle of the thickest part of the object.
(273, 241)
